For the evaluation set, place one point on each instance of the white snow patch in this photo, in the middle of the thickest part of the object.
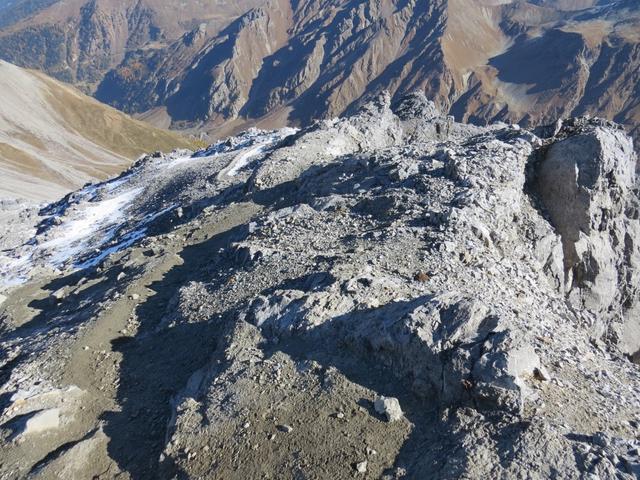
(243, 160)
(257, 141)
(86, 225)
(12, 270)
(260, 146)
(182, 160)
(73, 237)
(126, 241)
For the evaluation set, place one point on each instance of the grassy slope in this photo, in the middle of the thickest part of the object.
(84, 141)
(106, 126)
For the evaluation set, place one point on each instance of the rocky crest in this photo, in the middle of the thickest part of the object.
(387, 295)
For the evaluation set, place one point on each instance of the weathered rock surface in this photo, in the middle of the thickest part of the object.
(587, 184)
(263, 307)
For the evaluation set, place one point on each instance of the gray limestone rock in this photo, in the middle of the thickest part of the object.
(587, 184)
(389, 407)
(482, 278)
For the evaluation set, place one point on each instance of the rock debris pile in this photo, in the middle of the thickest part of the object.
(389, 295)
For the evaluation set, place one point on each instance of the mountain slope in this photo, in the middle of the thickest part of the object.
(53, 139)
(228, 66)
(584, 62)
(388, 295)
(12, 11)
(78, 41)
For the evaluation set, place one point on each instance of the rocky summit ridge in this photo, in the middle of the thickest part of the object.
(387, 295)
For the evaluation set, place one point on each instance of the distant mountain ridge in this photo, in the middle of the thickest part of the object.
(277, 62)
(12, 11)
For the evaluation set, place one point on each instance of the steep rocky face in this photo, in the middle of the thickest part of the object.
(391, 294)
(587, 184)
(80, 41)
(220, 79)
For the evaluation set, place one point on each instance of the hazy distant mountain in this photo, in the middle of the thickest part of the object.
(12, 11)
(80, 40)
(275, 62)
(53, 139)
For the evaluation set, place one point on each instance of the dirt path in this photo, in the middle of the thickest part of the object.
(127, 369)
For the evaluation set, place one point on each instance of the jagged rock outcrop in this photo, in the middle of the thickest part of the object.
(243, 311)
(587, 184)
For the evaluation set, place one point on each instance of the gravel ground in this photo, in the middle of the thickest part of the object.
(390, 295)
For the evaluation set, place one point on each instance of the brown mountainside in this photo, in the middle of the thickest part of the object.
(54, 139)
(276, 62)
(80, 40)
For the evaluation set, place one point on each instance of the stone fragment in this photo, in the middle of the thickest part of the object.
(361, 467)
(421, 277)
(601, 439)
(541, 373)
(58, 295)
(389, 407)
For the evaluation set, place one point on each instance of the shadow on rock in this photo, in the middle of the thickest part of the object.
(426, 452)
(158, 362)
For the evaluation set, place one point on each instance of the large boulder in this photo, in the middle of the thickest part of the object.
(588, 187)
